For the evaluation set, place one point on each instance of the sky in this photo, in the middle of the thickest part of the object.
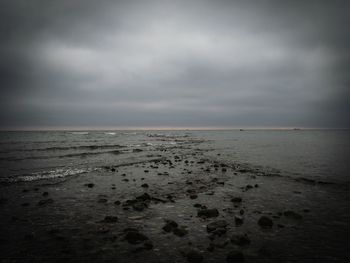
(183, 63)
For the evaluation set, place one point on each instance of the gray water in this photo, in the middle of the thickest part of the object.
(317, 154)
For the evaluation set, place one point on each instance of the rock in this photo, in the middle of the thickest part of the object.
(139, 206)
(144, 185)
(180, 231)
(265, 222)
(137, 150)
(144, 197)
(90, 185)
(117, 202)
(208, 213)
(102, 200)
(194, 256)
(197, 205)
(238, 220)
(247, 187)
(45, 202)
(236, 200)
(25, 204)
(110, 219)
(112, 169)
(235, 257)
(170, 226)
(45, 193)
(216, 225)
(292, 215)
(146, 171)
(240, 240)
(220, 242)
(134, 237)
(193, 196)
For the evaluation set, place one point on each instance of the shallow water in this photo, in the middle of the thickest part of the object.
(49, 213)
(316, 154)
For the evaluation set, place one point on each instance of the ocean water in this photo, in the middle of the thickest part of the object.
(315, 154)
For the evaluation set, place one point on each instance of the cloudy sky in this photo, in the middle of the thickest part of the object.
(178, 63)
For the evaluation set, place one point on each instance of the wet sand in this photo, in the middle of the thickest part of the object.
(186, 203)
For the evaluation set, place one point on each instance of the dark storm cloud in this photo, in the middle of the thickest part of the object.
(174, 63)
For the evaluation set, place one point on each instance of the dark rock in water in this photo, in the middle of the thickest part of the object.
(90, 185)
(137, 150)
(144, 185)
(112, 169)
(170, 226)
(25, 204)
(235, 257)
(45, 193)
(240, 240)
(247, 187)
(110, 219)
(219, 231)
(220, 242)
(238, 220)
(146, 171)
(117, 202)
(265, 222)
(134, 237)
(194, 256)
(193, 196)
(144, 197)
(197, 205)
(292, 215)
(45, 202)
(223, 169)
(180, 231)
(236, 200)
(139, 206)
(208, 213)
(102, 200)
(216, 225)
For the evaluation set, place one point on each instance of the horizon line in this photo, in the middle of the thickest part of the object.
(164, 128)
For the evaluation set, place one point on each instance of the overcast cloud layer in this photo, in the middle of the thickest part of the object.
(261, 63)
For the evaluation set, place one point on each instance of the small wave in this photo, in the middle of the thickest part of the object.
(110, 133)
(45, 175)
(80, 133)
(81, 154)
(64, 148)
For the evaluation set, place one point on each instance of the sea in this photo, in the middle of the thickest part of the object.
(321, 155)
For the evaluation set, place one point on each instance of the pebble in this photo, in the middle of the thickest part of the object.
(208, 213)
(265, 222)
